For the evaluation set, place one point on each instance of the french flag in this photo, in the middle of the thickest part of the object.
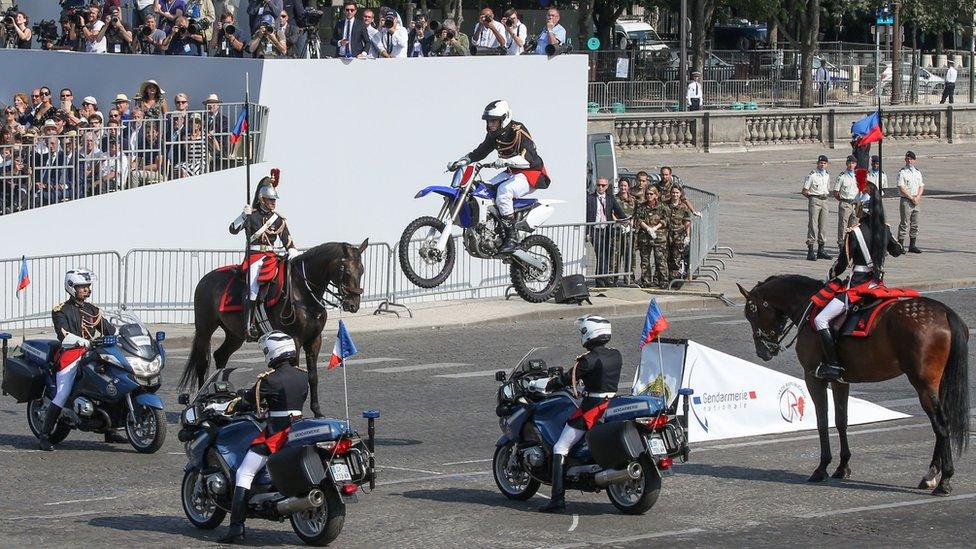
(240, 127)
(24, 281)
(868, 129)
(343, 348)
(654, 324)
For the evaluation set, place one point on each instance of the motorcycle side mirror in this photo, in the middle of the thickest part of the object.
(500, 375)
(184, 399)
(556, 371)
(160, 336)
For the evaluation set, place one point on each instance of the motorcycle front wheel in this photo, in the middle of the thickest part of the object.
(420, 260)
(636, 497)
(516, 485)
(36, 410)
(200, 509)
(321, 525)
(149, 433)
(538, 285)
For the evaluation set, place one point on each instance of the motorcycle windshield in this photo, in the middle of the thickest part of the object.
(219, 381)
(135, 340)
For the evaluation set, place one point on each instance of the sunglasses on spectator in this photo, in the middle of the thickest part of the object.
(46, 93)
(351, 9)
(601, 185)
(35, 95)
(181, 102)
(64, 95)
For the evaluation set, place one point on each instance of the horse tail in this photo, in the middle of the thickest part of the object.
(197, 364)
(954, 387)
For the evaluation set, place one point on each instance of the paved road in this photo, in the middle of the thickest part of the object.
(436, 391)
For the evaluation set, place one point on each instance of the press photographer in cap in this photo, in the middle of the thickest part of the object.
(449, 42)
(391, 40)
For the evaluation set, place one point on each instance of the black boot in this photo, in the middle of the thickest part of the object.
(912, 247)
(821, 254)
(811, 256)
(113, 437)
(251, 330)
(238, 513)
(50, 420)
(829, 369)
(558, 500)
(509, 245)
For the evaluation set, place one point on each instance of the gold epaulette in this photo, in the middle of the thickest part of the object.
(58, 307)
(265, 374)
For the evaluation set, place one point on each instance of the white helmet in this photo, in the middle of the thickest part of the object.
(277, 347)
(77, 277)
(498, 110)
(593, 330)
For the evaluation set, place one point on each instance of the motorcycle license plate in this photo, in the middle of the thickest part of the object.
(340, 472)
(657, 446)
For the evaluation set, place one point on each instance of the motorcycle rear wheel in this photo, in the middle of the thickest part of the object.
(636, 497)
(36, 410)
(322, 525)
(544, 282)
(202, 513)
(149, 434)
(422, 250)
(527, 486)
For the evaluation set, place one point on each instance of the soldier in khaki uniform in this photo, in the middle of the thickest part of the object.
(679, 232)
(640, 186)
(816, 187)
(845, 191)
(651, 219)
(876, 176)
(625, 251)
(911, 187)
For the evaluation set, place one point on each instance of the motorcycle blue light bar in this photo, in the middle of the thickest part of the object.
(371, 414)
(5, 336)
(110, 340)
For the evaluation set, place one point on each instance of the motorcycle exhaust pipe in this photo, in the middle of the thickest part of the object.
(290, 506)
(612, 476)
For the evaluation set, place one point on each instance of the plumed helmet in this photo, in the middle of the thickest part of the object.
(594, 330)
(77, 277)
(498, 110)
(278, 348)
(266, 189)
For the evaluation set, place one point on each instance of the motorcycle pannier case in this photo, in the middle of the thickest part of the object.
(295, 470)
(613, 445)
(22, 379)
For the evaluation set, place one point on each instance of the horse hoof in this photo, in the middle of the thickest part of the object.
(843, 473)
(942, 490)
(927, 484)
(819, 475)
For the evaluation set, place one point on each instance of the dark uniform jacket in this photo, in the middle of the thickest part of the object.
(283, 389)
(81, 319)
(599, 370)
(854, 255)
(276, 232)
(512, 141)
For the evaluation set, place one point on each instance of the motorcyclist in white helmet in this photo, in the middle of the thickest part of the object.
(599, 372)
(524, 169)
(76, 323)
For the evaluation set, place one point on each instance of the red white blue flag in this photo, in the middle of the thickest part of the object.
(343, 348)
(654, 324)
(24, 280)
(240, 127)
(868, 129)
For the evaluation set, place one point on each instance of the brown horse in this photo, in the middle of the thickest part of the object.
(921, 338)
(301, 312)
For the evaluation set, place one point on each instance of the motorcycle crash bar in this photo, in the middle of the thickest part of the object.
(290, 506)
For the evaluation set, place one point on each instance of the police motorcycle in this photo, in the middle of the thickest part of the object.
(116, 385)
(309, 481)
(639, 437)
(427, 250)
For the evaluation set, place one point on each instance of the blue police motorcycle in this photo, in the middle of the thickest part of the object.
(309, 481)
(116, 385)
(639, 437)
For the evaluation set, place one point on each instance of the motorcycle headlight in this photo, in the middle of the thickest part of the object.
(143, 367)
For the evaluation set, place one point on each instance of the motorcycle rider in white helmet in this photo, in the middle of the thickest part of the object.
(524, 169)
(75, 323)
(599, 371)
(279, 394)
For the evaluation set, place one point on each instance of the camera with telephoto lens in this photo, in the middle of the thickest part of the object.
(389, 21)
(553, 50)
(8, 16)
(312, 17)
(230, 29)
(113, 20)
(508, 22)
(46, 31)
(268, 29)
(486, 18)
(450, 34)
(193, 27)
(144, 30)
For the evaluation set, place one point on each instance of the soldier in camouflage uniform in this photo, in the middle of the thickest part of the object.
(625, 245)
(679, 231)
(651, 220)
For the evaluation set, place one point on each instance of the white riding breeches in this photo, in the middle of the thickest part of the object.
(569, 437)
(252, 463)
(510, 187)
(834, 308)
(252, 277)
(65, 381)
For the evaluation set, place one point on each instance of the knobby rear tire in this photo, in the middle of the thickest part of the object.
(518, 270)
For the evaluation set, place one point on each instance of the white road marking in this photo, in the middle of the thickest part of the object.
(372, 360)
(381, 467)
(928, 500)
(105, 498)
(697, 317)
(730, 322)
(458, 476)
(466, 462)
(482, 373)
(176, 453)
(630, 539)
(48, 517)
(418, 367)
(806, 437)
(18, 451)
(898, 402)
(575, 523)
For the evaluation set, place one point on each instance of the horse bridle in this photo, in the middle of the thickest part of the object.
(773, 340)
(340, 293)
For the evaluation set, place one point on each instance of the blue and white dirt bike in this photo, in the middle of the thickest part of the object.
(427, 249)
(309, 481)
(115, 386)
(638, 437)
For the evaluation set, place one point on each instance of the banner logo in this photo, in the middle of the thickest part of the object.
(792, 402)
(715, 402)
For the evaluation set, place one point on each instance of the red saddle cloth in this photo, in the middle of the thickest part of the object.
(232, 299)
(859, 323)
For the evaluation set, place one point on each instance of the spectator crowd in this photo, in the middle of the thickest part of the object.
(54, 150)
(279, 29)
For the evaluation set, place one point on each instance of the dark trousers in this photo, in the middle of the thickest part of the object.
(695, 105)
(603, 241)
(948, 92)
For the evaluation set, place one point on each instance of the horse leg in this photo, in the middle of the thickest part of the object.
(199, 360)
(841, 392)
(231, 344)
(930, 403)
(943, 448)
(311, 357)
(818, 392)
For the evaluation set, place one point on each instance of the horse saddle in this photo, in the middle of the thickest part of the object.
(235, 291)
(860, 318)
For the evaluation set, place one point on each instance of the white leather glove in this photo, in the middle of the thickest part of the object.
(652, 232)
(293, 253)
(697, 214)
(459, 163)
(248, 209)
(687, 240)
(71, 341)
(500, 163)
(539, 385)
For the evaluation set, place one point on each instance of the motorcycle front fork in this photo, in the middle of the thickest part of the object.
(448, 222)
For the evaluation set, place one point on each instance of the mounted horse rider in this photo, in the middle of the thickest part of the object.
(865, 246)
(268, 242)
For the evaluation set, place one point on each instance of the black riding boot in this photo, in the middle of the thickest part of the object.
(821, 254)
(912, 247)
(509, 245)
(238, 513)
(811, 255)
(50, 420)
(558, 500)
(829, 369)
(113, 437)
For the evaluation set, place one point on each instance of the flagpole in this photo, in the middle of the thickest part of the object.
(247, 199)
(345, 388)
(880, 148)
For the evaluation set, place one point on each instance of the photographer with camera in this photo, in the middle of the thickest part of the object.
(118, 35)
(150, 37)
(420, 37)
(92, 29)
(516, 31)
(16, 33)
(449, 42)
(350, 35)
(70, 39)
(228, 39)
(184, 39)
(268, 43)
(258, 9)
(554, 33)
(391, 41)
(202, 13)
(488, 33)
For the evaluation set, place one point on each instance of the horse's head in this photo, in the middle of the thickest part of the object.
(350, 275)
(335, 268)
(768, 322)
